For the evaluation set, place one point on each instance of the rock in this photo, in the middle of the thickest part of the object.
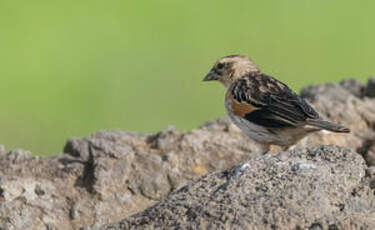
(308, 188)
(369, 153)
(110, 175)
(2, 149)
(370, 88)
(18, 155)
(354, 86)
(339, 105)
(101, 178)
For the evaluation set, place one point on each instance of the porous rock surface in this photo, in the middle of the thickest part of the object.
(111, 175)
(315, 188)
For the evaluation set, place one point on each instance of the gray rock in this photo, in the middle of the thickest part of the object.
(354, 86)
(2, 149)
(18, 155)
(368, 152)
(313, 188)
(110, 175)
(339, 105)
(370, 88)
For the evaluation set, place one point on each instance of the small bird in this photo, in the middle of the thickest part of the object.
(265, 109)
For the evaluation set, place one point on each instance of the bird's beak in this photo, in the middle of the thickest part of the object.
(211, 76)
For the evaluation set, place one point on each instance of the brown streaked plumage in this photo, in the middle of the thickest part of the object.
(267, 110)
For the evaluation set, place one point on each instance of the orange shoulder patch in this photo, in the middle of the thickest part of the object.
(241, 109)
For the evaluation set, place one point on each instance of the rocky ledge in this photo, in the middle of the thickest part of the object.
(315, 188)
(207, 178)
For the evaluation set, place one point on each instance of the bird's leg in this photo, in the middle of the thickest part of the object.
(264, 148)
(273, 149)
(286, 148)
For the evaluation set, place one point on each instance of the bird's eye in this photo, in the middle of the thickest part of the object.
(220, 65)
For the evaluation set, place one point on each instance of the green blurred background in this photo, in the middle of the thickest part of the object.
(70, 68)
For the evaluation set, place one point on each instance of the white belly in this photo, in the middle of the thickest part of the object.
(282, 137)
(254, 131)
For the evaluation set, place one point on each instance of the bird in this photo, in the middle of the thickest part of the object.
(264, 108)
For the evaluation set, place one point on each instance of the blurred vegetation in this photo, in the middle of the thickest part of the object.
(70, 68)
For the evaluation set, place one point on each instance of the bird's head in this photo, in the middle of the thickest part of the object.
(230, 68)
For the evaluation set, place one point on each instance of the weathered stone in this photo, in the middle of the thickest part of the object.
(110, 175)
(339, 105)
(2, 149)
(370, 88)
(18, 155)
(313, 188)
(369, 154)
(354, 86)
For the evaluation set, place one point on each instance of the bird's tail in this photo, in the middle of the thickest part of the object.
(328, 126)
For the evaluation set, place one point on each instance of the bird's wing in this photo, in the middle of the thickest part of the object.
(263, 100)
